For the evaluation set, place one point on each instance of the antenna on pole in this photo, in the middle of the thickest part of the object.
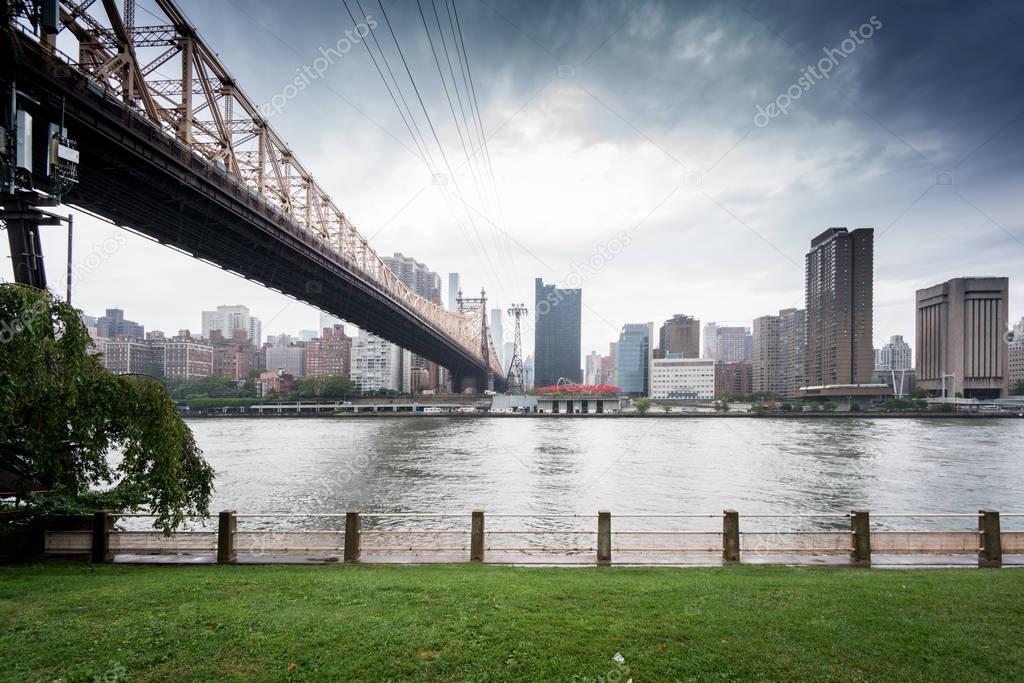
(514, 378)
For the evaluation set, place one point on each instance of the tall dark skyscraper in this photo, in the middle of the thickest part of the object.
(556, 340)
(839, 271)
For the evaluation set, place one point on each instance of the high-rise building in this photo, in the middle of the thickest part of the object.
(379, 365)
(611, 374)
(792, 350)
(1015, 365)
(733, 344)
(733, 378)
(508, 348)
(839, 295)
(113, 325)
(608, 367)
(227, 319)
(128, 356)
(710, 340)
(556, 334)
(453, 291)
(635, 351)
(427, 284)
(328, 321)
(765, 366)
(683, 379)
(329, 354)
(528, 372)
(289, 358)
(960, 337)
(498, 337)
(416, 276)
(679, 334)
(896, 355)
(186, 358)
(779, 345)
(592, 369)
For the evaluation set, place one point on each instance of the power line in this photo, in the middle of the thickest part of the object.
(437, 140)
(476, 180)
(479, 119)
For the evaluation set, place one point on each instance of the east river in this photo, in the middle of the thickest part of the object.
(543, 466)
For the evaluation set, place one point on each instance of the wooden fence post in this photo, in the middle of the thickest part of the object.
(476, 541)
(352, 537)
(226, 525)
(730, 536)
(102, 523)
(860, 526)
(604, 537)
(990, 549)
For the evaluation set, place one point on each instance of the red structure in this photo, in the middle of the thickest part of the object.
(578, 389)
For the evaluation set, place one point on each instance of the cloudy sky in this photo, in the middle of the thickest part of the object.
(629, 155)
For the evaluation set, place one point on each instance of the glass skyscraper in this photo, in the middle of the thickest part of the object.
(556, 340)
(633, 358)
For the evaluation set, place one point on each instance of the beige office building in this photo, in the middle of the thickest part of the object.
(961, 344)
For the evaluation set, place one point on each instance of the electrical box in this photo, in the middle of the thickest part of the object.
(49, 18)
(23, 141)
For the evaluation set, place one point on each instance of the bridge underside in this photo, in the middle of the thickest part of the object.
(138, 177)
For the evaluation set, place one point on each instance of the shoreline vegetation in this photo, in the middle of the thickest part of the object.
(462, 622)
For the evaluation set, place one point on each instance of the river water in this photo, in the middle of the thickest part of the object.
(537, 466)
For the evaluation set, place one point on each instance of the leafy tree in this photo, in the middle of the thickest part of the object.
(61, 411)
(327, 387)
(919, 393)
(830, 406)
(666, 409)
(1018, 388)
(643, 404)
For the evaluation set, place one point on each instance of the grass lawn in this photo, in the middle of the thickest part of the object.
(460, 622)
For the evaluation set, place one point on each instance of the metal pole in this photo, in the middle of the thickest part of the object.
(71, 229)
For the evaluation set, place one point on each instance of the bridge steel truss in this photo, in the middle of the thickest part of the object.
(193, 162)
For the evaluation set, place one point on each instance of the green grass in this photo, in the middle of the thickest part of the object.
(481, 623)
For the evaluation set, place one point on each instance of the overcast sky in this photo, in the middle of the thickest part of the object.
(631, 127)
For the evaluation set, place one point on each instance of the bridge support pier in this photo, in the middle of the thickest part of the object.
(471, 380)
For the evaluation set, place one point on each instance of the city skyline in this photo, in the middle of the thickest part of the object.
(931, 180)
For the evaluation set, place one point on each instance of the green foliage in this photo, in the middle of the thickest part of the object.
(830, 406)
(208, 387)
(1018, 388)
(722, 406)
(643, 404)
(786, 407)
(920, 393)
(61, 412)
(329, 387)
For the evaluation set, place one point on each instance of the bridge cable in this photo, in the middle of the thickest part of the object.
(417, 136)
(437, 140)
(476, 181)
(479, 120)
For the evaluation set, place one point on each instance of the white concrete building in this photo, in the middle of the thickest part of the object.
(227, 319)
(683, 379)
(377, 364)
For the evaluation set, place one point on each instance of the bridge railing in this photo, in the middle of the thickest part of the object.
(207, 114)
(855, 538)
